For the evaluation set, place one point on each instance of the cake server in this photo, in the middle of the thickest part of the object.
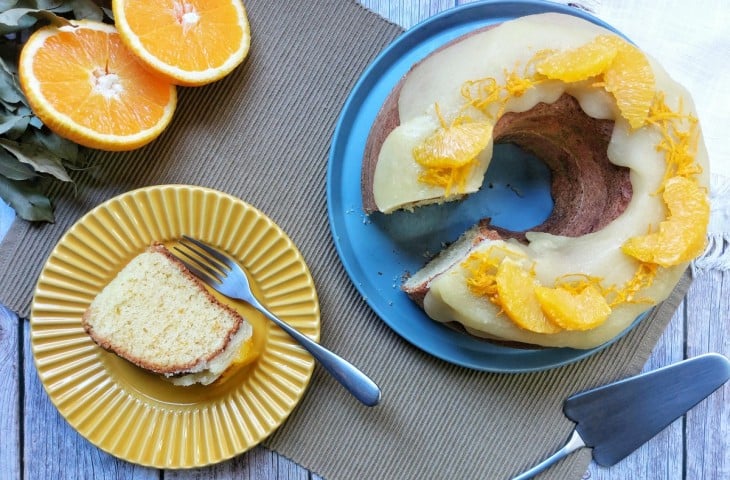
(616, 419)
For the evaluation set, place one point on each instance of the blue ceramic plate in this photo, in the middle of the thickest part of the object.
(378, 250)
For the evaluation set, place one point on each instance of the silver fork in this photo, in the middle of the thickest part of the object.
(226, 276)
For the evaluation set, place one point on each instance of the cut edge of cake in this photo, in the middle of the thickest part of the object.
(231, 330)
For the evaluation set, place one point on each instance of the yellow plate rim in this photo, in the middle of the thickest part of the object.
(112, 403)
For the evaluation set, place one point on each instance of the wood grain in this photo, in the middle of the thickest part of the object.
(52, 448)
(707, 426)
(10, 431)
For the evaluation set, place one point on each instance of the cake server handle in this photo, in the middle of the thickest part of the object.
(574, 443)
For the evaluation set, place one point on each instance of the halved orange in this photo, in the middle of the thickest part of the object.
(192, 42)
(84, 84)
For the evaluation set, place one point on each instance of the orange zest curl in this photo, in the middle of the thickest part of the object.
(680, 136)
(485, 92)
(481, 93)
(482, 268)
(517, 85)
(643, 278)
(577, 282)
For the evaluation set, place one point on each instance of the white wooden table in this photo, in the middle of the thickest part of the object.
(36, 443)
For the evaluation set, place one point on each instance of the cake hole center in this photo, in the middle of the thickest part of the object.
(588, 192)
(517, 189)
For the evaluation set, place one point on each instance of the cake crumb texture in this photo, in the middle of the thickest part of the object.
(156, 314)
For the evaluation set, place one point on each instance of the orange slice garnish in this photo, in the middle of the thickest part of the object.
(631, 81)
(448, 155)
(516, 287)
(682, 236)
(570, 310)
(581, 63)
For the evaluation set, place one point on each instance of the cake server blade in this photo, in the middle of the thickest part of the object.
(618, 418)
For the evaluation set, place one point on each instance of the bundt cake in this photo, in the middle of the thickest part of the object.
(629, 178)
(159, 316)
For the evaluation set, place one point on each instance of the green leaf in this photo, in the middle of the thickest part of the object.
(16, 19)
(51, 18)
(59, 146)
(6, 4)
(9, 90)
(36, 122)
(27, 200)
(37, 157)
(12, 168)
(86, 9)
(45, 4)
(13, 126)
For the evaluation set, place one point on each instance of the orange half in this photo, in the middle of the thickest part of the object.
(84, 84)
(192, 42)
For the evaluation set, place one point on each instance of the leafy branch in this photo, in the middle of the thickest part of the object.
(31, 155)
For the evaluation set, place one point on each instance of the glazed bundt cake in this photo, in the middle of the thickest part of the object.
(629, 178)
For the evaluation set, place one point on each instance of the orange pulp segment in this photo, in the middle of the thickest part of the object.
(448, 154)
(84, 84)
(570, 310)
(581, 63)
(516, 288)
(192, 42)
(631, 81)
(681, 237)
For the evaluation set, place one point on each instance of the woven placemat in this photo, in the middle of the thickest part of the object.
(263, 134)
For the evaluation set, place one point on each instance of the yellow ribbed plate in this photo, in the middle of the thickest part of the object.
(136, 415)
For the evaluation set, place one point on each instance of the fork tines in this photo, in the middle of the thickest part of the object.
(213, 267)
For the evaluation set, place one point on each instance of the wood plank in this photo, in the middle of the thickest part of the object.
(708, 330)
(407, 13)
(7, 216)
(54, 450)
(256, 464)
(9, 398)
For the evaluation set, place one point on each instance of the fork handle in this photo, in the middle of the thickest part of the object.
(354, 380)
